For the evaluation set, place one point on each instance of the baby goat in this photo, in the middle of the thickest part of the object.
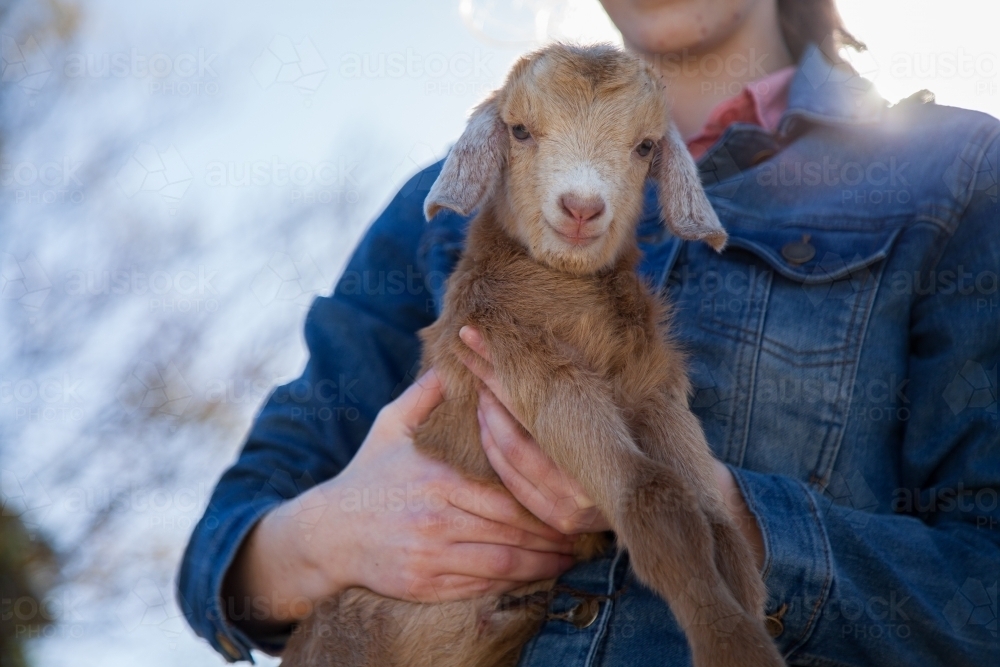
(555, 161)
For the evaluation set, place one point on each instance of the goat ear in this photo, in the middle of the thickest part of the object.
(472, 168)
(685, 207)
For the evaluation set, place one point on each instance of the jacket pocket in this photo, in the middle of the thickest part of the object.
(813, 283)
(781, 319)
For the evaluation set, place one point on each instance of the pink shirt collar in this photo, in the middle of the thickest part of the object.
(761, 102)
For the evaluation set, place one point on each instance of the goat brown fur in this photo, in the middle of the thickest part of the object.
(581, 346)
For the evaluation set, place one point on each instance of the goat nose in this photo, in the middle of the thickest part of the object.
(582, 209)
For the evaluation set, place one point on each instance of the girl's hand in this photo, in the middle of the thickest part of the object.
(544, 489)
(530, 475)
(397, 523)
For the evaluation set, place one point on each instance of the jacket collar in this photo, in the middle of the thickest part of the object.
(821, 92)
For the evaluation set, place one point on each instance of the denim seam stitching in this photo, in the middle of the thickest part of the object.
(753, 366)
(860, 330)
(942, 246)
(221, 623)
(740, 413)
(837, 430)
(605, 617)
(988, 140)
(828, 575)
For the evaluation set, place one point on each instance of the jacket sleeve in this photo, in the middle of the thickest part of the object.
(917, 586)
(363, 349)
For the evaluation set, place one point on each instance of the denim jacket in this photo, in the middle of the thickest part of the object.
(844, 356)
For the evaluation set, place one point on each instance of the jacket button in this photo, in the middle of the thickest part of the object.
(762, 155)
(227, 646)
(773, 622)
(798, 252)
(774, 626)
(584, 613)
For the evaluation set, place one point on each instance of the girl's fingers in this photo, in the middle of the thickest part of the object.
(523, 454)
(469, 528)
(499, 506)
(416, 403)
(450, 587)
(520, 487)
(531, 476)
(471, 337)
(504, 563)
(479, 363)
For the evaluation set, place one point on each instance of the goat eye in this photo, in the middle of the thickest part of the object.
(520, 132)
(644, 148)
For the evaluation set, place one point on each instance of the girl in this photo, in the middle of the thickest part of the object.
(844, 352)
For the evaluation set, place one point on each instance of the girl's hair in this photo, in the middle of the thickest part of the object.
(816, 21)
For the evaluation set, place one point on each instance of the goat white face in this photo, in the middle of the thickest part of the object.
(564, 148)
(580, 147)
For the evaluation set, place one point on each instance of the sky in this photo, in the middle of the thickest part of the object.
(180, 179)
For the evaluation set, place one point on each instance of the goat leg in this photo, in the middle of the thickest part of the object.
(654, 509)
(670, 433)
